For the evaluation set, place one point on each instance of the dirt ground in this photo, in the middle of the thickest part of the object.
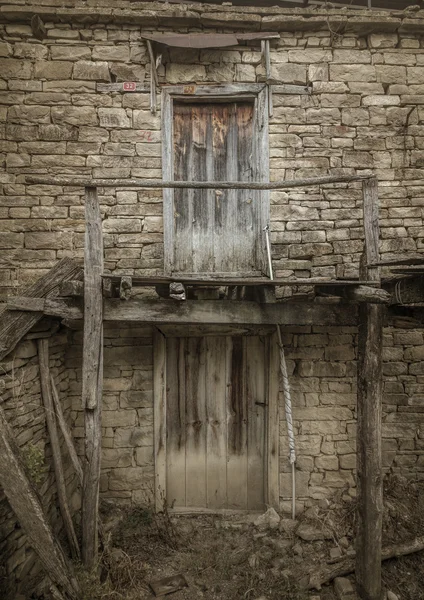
(231, 558)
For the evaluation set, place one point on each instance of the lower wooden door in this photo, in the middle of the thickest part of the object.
(216, 422)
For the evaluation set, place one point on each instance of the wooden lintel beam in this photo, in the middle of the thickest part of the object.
(224, 312)
(198, 185)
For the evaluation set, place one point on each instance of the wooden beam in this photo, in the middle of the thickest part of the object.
(92, 375)
(198, 185)
(46, 394)
(14, 326)
(24, 501)
(214, 281)
(224, 312)
(359, 293)
(369, 406)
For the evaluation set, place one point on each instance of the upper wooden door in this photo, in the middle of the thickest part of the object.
(218, 231)
(216, 415)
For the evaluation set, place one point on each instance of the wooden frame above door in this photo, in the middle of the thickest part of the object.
(212, 93)
(271, 462)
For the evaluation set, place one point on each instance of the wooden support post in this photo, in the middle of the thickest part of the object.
(24, 502)
(46, 393)
(369, 477)
(92, 374)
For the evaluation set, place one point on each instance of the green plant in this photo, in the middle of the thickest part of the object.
(33, 458)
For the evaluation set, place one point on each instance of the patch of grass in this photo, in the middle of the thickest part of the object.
(33, 458)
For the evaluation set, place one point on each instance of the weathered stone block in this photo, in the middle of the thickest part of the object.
(302, 482)
(182, 73)
(70, 52)
(12, 68)
(74, 115)
(124, 72)
(114, 117)
(91, 71)
(288, 73)
(116, 457)
(383, 40)
(53, 69)
(144, 456)
(328, 463)
(129, 478)
(122, 418)
(352, 72)
(310, 56)
(351, 56)
(112, 53)
(48, 239)
(27, 115)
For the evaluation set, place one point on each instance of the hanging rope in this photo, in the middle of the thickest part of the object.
(286, 387)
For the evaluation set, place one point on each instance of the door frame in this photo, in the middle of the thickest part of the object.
(258, 92)
(271, 462)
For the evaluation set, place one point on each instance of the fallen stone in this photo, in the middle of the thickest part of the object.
(287, 526)
(344, 542)
(392, 596)
(311, 533)
(269, 520)
(297, 549)
(335, 553)
(344, 589)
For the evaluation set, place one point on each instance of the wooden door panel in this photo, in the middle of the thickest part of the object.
(216, 434)
(216, 396)
(215, 230)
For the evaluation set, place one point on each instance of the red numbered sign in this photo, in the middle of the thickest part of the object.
(129, 86)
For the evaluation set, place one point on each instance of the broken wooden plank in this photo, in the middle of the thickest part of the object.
(322, 575)
(46, 394)
(14, 326)
(199, 185)
(24, 502)
(92, 375)
(67, 436)
(369, 415)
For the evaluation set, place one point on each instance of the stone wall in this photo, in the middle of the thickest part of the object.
(20, 397)
(364, 115)
(127, 417)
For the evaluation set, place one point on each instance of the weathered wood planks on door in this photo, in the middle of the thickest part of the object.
(216, 230)
(216, 414)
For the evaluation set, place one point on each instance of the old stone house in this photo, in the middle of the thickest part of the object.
(243, 93)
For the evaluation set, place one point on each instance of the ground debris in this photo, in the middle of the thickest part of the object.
(168, 585)
(268, 520)
(310, 532)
